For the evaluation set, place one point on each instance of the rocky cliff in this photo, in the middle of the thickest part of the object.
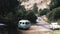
(41, 4)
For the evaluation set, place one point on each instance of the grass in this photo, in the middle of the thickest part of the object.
(55, 32)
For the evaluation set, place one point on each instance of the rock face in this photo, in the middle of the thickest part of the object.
(41, 4)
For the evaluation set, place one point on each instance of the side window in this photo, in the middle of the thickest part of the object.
(23, 23)
(19, 22)
(27, 23)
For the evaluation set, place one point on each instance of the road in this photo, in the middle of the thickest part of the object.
(36, 30)
(36, 27)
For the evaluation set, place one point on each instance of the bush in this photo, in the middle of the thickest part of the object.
(43, 12)
(54, 14)
(31, 16)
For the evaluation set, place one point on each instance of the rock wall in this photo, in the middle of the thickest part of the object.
(41, 4)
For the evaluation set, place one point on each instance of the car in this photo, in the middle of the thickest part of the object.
(54, 26)
(24, 24)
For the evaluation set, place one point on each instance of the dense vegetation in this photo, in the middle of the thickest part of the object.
(54, 14)
(8, 14)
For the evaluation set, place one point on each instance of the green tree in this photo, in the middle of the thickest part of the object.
(54, 4)
(8, 14)
(35, 8)
(54, 15)
(43, 12)
(21, 12)
(30, 15)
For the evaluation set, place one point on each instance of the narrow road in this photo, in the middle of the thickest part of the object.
(36, 30)
(35, 27)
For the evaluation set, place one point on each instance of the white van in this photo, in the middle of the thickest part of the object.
(54, 26)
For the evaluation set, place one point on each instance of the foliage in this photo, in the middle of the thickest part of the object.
(35, 8)
(43, 12)
(58, 21)
(54, 4)
(8, 14)
(31, 16)
(7, 10)
(54, 14)
(21, 12)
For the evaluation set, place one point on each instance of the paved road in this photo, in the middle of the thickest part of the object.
(36, 30)
(35, 27)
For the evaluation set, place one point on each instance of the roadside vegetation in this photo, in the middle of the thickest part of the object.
(55, 32)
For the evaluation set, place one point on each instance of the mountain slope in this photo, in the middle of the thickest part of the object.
(41, 4)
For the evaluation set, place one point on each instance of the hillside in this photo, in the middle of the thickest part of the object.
(41, 4)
